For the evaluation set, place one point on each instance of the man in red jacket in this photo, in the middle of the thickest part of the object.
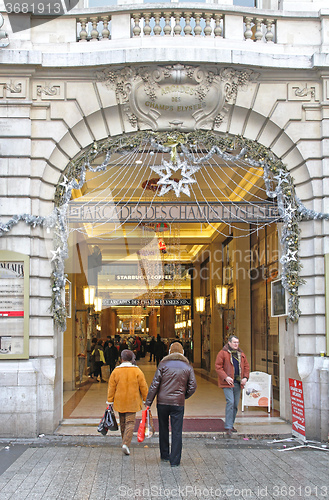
(232, 368)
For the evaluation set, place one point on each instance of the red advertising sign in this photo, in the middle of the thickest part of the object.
(297, 408)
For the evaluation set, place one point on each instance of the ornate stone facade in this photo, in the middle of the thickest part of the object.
(58, 95)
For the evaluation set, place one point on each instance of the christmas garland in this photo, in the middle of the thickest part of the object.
(278, 182)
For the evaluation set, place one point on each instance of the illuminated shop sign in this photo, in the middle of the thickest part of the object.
(172, 212)
(136, 277)
(147, 302)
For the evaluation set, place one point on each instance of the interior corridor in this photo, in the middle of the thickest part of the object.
(84, 408)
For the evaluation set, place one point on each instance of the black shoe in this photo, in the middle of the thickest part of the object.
(174, 465)
(103, 381)
(233, 430)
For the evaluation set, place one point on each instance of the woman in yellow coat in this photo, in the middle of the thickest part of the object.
(127, 390)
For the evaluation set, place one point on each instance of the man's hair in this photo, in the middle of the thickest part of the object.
(231, 337)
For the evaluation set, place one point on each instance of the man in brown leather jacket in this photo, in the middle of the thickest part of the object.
(232, 368)
(173, 382)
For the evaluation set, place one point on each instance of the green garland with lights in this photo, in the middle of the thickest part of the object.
(279, 185)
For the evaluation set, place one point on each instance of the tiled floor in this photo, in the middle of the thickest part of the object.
(84, 408)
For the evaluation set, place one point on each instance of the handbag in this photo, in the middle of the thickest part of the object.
(108, 422)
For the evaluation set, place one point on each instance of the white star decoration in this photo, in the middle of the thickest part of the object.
(65, 183)
(166, 170)
(291, 255)
(56, 254)
(282, 178)
(289, 211)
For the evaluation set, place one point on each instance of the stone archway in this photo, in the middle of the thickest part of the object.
(256, 114)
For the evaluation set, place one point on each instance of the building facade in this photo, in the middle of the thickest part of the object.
(242, 73)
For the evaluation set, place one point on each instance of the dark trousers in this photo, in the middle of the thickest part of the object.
(176, 414)
(158, 359)
(98, 369)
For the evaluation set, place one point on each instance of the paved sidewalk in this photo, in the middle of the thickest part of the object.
(94, 468)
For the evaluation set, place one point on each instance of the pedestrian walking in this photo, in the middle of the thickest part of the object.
(173, 382)
(111, 354)
(91, 344)
(151, 349)
(159, 349)
(232, 368)
(127, 389)
(99, 360)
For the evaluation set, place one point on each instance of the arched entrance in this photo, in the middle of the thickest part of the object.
(157, 220)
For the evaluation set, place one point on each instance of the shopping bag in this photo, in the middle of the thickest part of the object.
(141, 428)
(102, 428)
(105, 369)
(110, 420)
(149, 427)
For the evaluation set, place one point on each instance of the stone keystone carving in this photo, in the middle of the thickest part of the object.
(176, 96)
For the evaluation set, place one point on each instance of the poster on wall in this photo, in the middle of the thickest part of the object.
(13, 305)
(258, 390)
(279, 299)
(297, 408)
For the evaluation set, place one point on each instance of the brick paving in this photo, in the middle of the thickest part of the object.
(94, 468)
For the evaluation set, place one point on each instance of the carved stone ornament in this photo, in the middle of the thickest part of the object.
(176, 96)
(13, 89)
(48, 91)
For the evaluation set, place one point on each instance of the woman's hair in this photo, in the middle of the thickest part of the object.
(128, 355)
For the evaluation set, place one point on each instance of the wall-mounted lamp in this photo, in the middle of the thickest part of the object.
(221, 299)
(221, 294)
(98, 304)
(200, 304)
(89, 295)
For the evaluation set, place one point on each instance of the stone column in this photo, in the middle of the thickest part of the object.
(153, 323)
(197, 318)
(167, 321)
(109, 322)
(241, 266)
(216, 326)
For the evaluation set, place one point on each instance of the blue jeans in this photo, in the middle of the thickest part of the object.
(232, 396)
(176, 414)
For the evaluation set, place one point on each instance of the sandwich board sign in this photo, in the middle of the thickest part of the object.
(297, 408)
(258, 390)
